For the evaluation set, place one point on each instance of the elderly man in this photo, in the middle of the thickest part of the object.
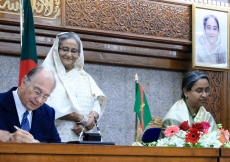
(23, 112)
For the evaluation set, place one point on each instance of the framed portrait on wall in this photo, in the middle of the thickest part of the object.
(210, 37)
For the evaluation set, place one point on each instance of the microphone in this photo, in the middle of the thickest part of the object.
(98, 130)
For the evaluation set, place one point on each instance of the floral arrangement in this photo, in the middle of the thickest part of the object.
(198, 135)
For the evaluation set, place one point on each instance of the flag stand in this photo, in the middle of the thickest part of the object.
(21, 21)
(135, 134)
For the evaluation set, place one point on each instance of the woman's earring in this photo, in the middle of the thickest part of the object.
(186, 97)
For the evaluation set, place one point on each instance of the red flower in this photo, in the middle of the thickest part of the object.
(184, 126)
(198, 126)
(192, 136)
(206, 125)
(202, 127)
(205, 131)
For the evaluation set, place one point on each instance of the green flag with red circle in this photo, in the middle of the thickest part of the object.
(28, 59)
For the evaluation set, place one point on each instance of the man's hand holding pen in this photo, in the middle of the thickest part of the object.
(22, 136)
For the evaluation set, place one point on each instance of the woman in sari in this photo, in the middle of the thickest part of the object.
(76, 99)
(195, 90)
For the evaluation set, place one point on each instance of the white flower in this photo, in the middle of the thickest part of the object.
(176, 140)
(163, 142)
(210, 139)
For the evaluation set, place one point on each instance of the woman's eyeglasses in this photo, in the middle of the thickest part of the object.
(202, 91)
(66, 50)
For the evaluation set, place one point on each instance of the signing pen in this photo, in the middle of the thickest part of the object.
(34, 140)
(16, 127)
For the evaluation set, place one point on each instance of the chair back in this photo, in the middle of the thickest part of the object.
(155, 123)
(151, 134)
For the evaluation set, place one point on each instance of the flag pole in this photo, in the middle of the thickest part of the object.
(21, 21)
(135, 134)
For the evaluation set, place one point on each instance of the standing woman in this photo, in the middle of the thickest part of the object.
(76, 98)
(195, 90)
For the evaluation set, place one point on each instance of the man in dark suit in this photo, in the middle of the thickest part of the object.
(24, 108)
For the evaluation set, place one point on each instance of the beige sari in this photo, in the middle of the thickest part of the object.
(179, 113)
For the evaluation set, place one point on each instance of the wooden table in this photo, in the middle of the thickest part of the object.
(11, 152)
(224, 155)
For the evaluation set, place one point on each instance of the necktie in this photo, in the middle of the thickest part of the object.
(25, 123)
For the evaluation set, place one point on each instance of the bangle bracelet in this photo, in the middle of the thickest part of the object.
(83, 120)
(86, 118)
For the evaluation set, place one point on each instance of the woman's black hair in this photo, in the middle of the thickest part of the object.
(190, 79)
(65, 36)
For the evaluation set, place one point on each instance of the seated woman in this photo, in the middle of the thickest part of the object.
(195, 90)
(76, 98)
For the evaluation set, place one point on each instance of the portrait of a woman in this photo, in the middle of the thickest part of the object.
(209, 49)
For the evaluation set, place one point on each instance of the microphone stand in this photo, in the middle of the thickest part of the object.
(80, 136)
(98, 130)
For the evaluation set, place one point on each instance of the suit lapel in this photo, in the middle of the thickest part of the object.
(36, 121)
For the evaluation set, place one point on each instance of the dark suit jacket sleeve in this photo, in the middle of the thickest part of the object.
(8, 112)
(54, 134)
(43, 127)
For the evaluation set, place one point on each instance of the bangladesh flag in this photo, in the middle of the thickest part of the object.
(141, 107)
(28, 50)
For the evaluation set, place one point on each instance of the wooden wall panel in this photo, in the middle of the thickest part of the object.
(214, 101)
(149, 18)
(158, 34)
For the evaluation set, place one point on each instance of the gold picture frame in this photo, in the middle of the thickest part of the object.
(210, 37)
